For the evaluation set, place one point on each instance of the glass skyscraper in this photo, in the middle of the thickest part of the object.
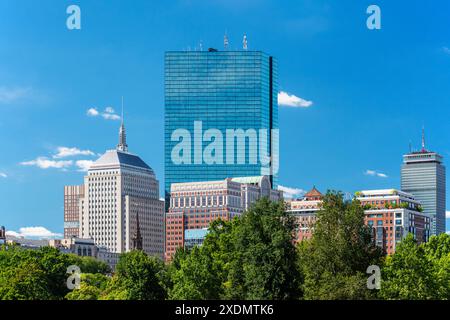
(212, 100)
(423, 175)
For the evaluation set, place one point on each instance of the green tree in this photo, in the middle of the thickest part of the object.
(409, 274)
(251, 257)
(91, 287)
(263, 262)
(335, 260)
(138, 277)
(46, 266)
(201, 272)
(27, 281)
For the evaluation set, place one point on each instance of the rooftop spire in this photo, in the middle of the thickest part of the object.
(225, 41)
(423, 139)
(122, 146)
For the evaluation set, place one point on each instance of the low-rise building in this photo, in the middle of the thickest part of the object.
(85, 248)
(392, 215)
(304, 211)
(194, 205)
(26, 243)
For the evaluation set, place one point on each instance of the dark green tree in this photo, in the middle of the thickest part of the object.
(263, 262)
(335, 260)
(251, 257)
(138, 277)
(201, 272)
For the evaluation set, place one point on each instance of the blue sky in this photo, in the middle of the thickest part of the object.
(371, 90)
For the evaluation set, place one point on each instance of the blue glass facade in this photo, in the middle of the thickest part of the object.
(220, 90)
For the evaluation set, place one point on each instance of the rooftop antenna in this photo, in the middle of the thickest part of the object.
(225, 41)
(423, 139)
(410, 148)
(244, 42)
(122, 110)
(201, 45)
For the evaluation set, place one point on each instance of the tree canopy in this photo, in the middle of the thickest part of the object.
(250, 257)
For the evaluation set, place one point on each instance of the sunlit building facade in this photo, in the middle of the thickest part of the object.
(423, 175)
(72, 201)
(122, 201)
(304, 211)
(220, 90)
(194, 205)
(392, 215)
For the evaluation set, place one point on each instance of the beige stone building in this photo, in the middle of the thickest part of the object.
(120, 190)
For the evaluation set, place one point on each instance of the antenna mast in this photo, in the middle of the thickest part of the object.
(225, 41)
(423, 139)
(244, 43)
(122, 109)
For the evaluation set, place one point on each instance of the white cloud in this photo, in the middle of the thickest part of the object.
(84, 165)
(45, 163)
(34, 232)
(110, 116)
(375, 174)
(10, 95)
(447, 214)
(109, 110)
(13, 234)
(291, 192)
(3, 175)
(290, 100)
(64, 152)
(107, 114)
(92, 112)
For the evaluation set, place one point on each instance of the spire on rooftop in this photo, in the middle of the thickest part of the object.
(423, 139)
(122, 146)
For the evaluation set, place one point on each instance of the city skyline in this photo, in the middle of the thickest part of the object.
(341, 115)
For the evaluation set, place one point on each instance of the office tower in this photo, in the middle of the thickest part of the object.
(194, 205)
(221, 116)
(72, 197)
(305, 213)
(121, 202)
(392, 215)
(423, 175)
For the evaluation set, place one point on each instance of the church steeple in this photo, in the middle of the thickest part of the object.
(122, 146)
(137, 237)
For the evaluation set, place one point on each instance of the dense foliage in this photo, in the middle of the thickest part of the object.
(40, 274)
(251, 257)
(335, 260)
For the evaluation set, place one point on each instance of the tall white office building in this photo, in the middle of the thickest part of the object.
(121, 205)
